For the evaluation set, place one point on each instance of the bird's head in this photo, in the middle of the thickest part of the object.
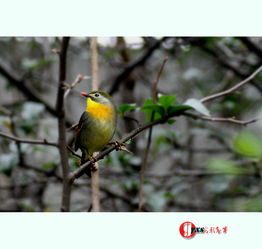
(99, 104)
(98, 97)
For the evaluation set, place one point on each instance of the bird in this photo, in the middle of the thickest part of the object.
(96, 126)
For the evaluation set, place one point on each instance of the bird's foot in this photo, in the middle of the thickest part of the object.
(93, 161)
(120, 146)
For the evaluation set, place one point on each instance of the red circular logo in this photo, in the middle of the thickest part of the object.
(187, 229)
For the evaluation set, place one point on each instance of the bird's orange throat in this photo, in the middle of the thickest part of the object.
(99, 111)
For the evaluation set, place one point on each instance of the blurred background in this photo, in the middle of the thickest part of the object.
(193, 165)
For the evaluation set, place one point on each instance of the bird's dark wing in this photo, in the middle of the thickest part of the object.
(83, 120)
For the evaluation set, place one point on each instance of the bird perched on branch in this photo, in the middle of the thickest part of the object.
(97, 124)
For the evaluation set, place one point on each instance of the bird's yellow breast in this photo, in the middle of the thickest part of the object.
(99, 111)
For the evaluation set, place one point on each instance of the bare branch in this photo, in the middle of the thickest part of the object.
(234, 88)
(61, 126)
(27, 141)
(149, 139)
(73, 153)
(72, 127)
(155, 83)
(78, 79)
(223, 120)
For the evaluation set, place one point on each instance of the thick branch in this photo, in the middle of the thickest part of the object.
(61, 125)
(95, 195)
(27, 141)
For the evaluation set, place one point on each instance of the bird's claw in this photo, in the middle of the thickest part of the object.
(93, 162)
(120, 146)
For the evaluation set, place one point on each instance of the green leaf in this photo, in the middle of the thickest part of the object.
(173, 109)
(126, 108)
(166, 101)
(149, 107)
(247, 144)
(198, 106)
(154, 108)
(148, 102)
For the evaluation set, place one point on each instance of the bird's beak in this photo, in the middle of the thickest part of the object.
(85, 94)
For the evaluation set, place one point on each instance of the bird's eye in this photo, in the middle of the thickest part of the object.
(97, 95)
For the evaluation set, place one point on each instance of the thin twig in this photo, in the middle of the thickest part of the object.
(155, 83)
(234, 88)
(27, 141)
(149, 138)
(73, 153)
(72, 127)
(65, 207)
(78, 79)
(223, 120)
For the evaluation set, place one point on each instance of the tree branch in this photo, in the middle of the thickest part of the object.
(78, 79)
(234, 88)
(223, 120)
(61, 125)
(27, 141)
(149, 139)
